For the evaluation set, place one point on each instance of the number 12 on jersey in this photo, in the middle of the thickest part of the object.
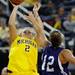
(48, 61)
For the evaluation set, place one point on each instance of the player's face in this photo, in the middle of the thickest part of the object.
(28, 34)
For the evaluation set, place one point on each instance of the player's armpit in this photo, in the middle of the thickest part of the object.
(68, 56)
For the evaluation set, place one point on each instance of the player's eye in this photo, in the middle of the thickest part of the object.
(27, 32)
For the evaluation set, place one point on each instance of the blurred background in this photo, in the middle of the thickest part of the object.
(59, 14)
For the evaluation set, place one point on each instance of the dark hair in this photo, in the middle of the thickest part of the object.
(55, 39)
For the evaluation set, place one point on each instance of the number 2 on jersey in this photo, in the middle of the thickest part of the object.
(49, 63)
(27, 48)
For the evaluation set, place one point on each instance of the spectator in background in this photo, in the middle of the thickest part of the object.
(49, 9)
(4, 37)
(47, 12)
(73, 22)
(3, 15)
(58, 3)
(3, 41)
(61, 18)
(3, 28)
(72, 14)
(57, 24)
(69, 25)
(61, 13)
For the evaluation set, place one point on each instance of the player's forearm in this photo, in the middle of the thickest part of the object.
(35, 11)
(40, 34)
(39, 30)
(38, 19)
(37, 27)
(12, 33)
(37, 24)
(12, 18)
(12, 27)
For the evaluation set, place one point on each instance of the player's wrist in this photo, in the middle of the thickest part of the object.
(16, 7)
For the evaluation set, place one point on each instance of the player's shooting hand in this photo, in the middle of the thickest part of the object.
(36, 9)
(30, 17)
(37, 6)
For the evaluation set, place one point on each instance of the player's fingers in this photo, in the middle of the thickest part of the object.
(26, 17)
(30, 17)
(39, 5)
(31, 14)
(36, 7)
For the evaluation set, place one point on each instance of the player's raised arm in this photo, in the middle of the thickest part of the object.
(35, 11)
(68, 56)
(40, 38)
(11, 24)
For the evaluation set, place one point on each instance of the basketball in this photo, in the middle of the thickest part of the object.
(16, 2)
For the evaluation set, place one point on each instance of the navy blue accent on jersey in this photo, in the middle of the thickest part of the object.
(51, 51)
(65, 66)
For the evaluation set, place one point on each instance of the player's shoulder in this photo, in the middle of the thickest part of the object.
(66, 51)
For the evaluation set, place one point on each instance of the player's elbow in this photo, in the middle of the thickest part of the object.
(69, 56)
(72, 60)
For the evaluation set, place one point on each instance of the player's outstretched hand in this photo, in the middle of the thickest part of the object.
(30, 16)
(36, 7)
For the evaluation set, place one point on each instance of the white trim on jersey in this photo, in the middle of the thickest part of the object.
(61, 68)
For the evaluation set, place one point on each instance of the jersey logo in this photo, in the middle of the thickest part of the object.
(23, 41)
